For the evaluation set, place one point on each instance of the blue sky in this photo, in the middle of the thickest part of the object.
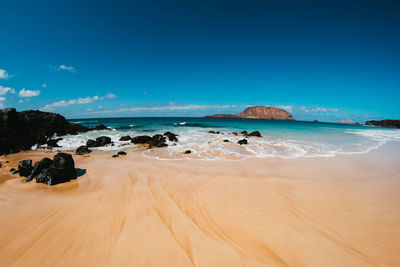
(325, 60)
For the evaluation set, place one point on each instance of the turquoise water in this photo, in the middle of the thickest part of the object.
(286, 139)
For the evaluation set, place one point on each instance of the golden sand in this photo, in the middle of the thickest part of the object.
(136, 211)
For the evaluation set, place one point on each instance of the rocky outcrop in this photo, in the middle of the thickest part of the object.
(125, 138)
(385, 123)
(82, 150)
(157, 140)
(243, 142)
(100, 141)
(254, 133)
(258, 112)
(59, 170)
(22, 130)
(171, 136)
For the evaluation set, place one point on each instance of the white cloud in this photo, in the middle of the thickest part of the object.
(2, 98)
(28, 93)
(5, 90)
(4, 74)
(169, 107)
(86, 100)
(21, 101)
(110, 96)
(316, 109)
(67, 68)
(44, 85)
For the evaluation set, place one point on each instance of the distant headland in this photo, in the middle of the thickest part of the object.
(258, 112)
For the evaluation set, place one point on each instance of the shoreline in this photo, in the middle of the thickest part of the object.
(340, 210)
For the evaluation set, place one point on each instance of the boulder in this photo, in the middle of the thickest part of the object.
(62, 169)
(171, 136)
(25, 167)
(255, 133)
(115, 156)
(82, 150)
(243, 142)
(142, 139)
(125, 138)
(121, 153)
(38, 167)
(91, 143)
(12, 169)
(103, 140)
(157, 141)
(244, 132)
(187, 152)
(226, 141)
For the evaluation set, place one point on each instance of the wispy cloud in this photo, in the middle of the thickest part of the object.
(63, 67)
(28, 93)
(4, 74)
(5, 90)
(170, 107)
(86, 100)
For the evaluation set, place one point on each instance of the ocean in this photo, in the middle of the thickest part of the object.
(284, 139)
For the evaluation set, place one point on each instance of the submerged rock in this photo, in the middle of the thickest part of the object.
(103, 140)
(82, 150)
(125, 138)
(171, 136)
(142, 139)
(25, 167)
(243, 142)
(157, 141)
(101, 127)
(255, 133)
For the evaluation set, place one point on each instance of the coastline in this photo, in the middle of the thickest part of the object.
(332, 211)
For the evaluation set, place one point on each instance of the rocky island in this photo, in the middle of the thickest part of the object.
(258, 112)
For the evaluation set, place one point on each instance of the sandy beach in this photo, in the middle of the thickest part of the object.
(132, 210)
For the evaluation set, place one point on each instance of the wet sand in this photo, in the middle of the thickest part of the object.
(132, 210)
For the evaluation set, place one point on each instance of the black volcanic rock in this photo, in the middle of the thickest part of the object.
(82, 150)
(12, 169)
(103, 140)
(214, 132)
(188, 152)
(125, 138)
(171, 136)
(255, 133)
(91, 143)
(157, 141)
(53, 142)
(142, 139)
(121, 153)
(38, 167)
(25, 167)
(101, 127)
(62, 169)
(385, 123)
(243, 142)
(244, 132)
(22, 130)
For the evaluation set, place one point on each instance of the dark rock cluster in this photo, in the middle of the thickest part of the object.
(22, 130)
(384, 123)
(60, 169)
